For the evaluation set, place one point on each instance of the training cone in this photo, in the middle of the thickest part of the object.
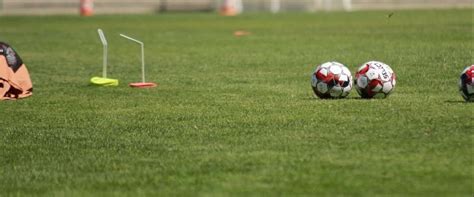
(101, 81)
(143, 85)
(231, 7)
(87, 7)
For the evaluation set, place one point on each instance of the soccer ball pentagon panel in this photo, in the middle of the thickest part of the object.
(466, 84)
(375, 80)
(331, 80)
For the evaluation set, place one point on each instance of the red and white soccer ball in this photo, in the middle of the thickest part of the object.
(466, 84)
(375, 80)
(331, 80)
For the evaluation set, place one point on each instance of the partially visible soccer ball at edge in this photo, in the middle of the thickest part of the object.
(331, 80)
(375, 79)
(466, 84)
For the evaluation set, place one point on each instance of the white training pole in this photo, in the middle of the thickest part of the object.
(239, 6)
(275, 6)
(327, 5)
(347, 5)
(143, 54)
(104, 43)
(317, 5)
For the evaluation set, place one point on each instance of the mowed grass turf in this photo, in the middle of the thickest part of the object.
(236, 116)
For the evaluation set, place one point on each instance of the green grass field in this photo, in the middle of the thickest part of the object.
(236, 116)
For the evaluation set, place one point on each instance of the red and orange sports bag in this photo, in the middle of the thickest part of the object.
(15, 82)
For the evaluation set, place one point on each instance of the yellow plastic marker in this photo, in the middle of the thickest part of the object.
(104, 81)
(100, 81)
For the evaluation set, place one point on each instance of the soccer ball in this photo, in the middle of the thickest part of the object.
(331, 80)
(466, 84)
(375, 80)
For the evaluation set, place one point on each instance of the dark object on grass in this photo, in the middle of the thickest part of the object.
(390, 15)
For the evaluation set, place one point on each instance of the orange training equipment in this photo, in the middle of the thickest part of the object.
(231, 7)
(15, 82)
(87, 7)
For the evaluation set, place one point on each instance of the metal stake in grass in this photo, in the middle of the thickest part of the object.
(104, 81)
(142, 84)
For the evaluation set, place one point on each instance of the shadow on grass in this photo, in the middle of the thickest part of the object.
(459, 102)
(338, 99)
